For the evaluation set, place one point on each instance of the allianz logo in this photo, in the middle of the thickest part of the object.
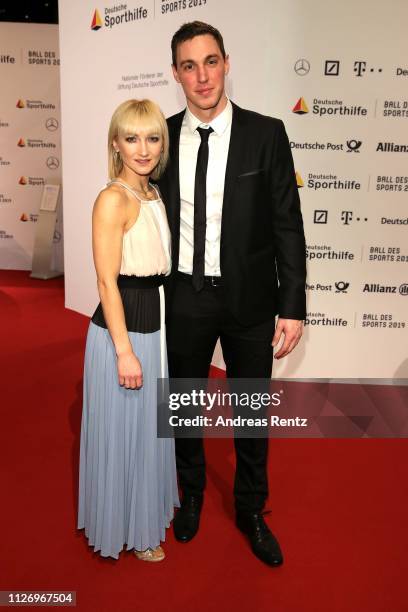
(377, 288)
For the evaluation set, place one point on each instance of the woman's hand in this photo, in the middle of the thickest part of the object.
(130, 371)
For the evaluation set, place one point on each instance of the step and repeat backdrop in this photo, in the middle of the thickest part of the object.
(337, 76)
(30, 149)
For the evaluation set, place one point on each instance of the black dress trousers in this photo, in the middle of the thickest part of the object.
(196, 320)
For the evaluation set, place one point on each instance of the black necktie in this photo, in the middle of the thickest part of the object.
(200, 213)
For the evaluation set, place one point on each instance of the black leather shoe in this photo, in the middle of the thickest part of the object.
(263, 543)
(187, 519)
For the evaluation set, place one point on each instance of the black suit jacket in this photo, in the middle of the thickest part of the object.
(262, 257)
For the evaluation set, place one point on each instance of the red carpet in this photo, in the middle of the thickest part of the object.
(339, 507)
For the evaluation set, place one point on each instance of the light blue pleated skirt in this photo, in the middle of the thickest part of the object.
(127, 476)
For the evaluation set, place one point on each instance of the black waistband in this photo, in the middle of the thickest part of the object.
(213, 281)
(140, 282)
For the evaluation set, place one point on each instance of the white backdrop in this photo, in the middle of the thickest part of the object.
(343, 66)
(29, 137)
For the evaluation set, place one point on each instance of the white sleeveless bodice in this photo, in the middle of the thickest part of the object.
(147, 244)
(146, 252)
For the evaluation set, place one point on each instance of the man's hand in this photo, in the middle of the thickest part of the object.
(292, 331)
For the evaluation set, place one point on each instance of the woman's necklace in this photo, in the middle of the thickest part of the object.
(146, 193)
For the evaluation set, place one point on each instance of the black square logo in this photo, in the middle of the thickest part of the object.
(320, 216)
(332, 68)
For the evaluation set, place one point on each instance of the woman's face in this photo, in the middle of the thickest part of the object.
(140, 150)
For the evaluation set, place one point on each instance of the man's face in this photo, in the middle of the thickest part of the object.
(201, 71)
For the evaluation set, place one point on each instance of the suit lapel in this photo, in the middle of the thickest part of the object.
(234, 160)
(174, 184)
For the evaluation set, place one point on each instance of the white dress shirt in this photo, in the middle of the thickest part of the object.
(218, 144)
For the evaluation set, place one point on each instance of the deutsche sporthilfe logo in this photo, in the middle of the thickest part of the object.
(300, 107)
(96, 23)
(299, 180)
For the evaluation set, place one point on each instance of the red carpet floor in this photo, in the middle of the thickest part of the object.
(339, 508)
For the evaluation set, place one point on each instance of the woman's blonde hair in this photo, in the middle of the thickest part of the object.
(127, 118)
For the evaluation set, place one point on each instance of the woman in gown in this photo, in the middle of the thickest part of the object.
(127, 476)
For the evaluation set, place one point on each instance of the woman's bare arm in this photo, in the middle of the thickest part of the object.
(108, 225)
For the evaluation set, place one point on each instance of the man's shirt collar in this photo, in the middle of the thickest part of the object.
(219, 124)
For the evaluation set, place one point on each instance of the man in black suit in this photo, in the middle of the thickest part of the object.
(238, 252)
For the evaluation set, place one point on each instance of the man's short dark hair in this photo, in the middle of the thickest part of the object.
(191, 30)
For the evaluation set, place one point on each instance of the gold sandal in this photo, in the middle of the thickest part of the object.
(150, 554)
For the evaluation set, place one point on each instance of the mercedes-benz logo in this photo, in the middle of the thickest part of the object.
(52, 163)
(52, 124)
(302, 67)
